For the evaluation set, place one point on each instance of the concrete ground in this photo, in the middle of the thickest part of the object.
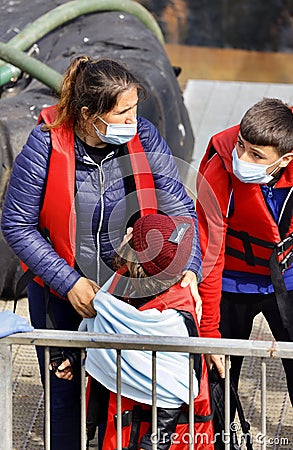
(213, 106)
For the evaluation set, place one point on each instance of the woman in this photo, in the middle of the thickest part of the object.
(88, 167)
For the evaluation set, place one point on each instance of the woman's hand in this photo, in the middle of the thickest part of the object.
(81, 297)
(189, 279)
(218, 361)
(64, 371)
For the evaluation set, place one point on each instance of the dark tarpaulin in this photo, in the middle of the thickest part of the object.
(118, 35)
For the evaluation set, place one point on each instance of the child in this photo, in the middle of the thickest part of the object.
(150, 265)
(245, 215)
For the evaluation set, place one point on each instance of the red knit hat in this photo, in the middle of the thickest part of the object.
(163, 244)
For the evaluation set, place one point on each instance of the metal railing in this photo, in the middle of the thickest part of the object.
(55, 338)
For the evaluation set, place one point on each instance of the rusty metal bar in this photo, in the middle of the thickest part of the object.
(263, 349)
(83, 400)
(263, 403)
(119, 414)
(240, 347)
(191, 403)
(154, 402)
(47, 400)
(227, 403)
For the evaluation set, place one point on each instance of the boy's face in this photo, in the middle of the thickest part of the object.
(258, 154)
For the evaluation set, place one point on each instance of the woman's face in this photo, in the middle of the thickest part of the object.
(125, 110)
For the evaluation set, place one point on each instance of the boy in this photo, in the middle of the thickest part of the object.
(244, 206)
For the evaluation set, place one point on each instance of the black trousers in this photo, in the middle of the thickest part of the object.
(237, 314)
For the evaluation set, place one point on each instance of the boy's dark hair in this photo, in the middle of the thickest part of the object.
(269, 123)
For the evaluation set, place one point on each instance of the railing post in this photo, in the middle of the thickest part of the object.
(154, 402)
(263, 403)
(47, 400)
(5, 397)
(191, 445)
(119, 401)
(83, 401)
(227, 438)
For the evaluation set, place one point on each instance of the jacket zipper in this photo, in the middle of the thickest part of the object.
(102, 185)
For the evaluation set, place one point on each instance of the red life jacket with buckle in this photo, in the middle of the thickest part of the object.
(180, 299)
(58, 216)
(252, 232)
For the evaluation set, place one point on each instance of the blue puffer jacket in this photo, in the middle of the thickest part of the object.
(100, 205)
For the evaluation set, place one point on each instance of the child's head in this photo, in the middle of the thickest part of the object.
(158, 253)
(269, 123)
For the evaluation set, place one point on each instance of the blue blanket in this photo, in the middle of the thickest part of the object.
(11, 323)
(117, 317)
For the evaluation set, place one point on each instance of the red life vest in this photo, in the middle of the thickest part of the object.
(58, 216)
(251, 237)
(180, 299)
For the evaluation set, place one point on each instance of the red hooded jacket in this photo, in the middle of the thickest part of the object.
(245, 240)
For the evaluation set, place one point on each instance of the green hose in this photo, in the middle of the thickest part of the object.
(28, 64)
(8, 73)
(62, 14)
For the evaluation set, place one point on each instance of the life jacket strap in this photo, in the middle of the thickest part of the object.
(281, 293)
(249, 258)
(144, 180)
(282, 247)
(286, 262)
(248, 255)
(133, 418)
(285, 244)
(247, 238)
(144, 415)
(253, 260)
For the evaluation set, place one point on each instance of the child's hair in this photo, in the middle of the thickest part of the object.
(269, 123)
(143, 284)
(158, 252)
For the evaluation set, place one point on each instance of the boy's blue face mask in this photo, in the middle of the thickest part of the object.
(117, 133)
(250, 172)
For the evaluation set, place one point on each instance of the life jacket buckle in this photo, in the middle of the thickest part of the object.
(126, 419)
(286, 262)
(285, 244)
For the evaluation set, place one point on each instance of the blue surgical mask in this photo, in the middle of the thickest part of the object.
(117, 133)
(250, 172)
